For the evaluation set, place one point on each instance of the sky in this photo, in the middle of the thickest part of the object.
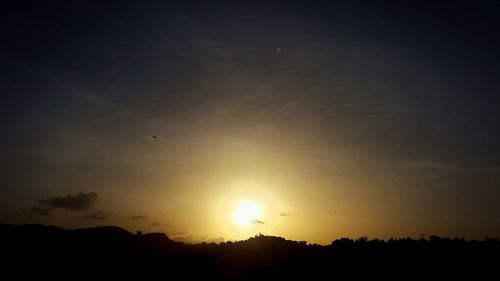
(335, 118)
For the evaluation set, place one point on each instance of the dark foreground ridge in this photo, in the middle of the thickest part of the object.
(56, 253)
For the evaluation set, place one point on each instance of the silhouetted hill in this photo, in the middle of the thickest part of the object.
(116, 253)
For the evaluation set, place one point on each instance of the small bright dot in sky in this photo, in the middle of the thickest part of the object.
(246, 212)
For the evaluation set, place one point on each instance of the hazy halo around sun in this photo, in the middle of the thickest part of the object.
(246, 212)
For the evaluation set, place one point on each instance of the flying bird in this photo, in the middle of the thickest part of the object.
(155, 137)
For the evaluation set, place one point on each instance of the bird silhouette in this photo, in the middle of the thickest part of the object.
(155, 137)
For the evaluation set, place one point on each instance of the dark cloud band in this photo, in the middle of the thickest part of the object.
(80, 202)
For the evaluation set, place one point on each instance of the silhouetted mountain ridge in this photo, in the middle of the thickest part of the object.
(120, 253)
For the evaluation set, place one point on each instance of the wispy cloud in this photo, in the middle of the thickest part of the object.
(427, 164)
(80, 202)
(138, 217)
(39, 210)
(97, 215)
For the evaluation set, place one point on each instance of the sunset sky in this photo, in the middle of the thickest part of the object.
(315, 119)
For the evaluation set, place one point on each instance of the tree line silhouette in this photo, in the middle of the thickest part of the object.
(114, 252)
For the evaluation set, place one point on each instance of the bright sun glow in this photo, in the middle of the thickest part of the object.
(246, 213)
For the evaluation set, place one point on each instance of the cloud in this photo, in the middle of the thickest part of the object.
(97, 215)
(137, 217)
(434, 165)
(257, 221)
(39, 210)
(81, 201)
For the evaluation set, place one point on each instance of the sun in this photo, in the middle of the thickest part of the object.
(246, 213)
